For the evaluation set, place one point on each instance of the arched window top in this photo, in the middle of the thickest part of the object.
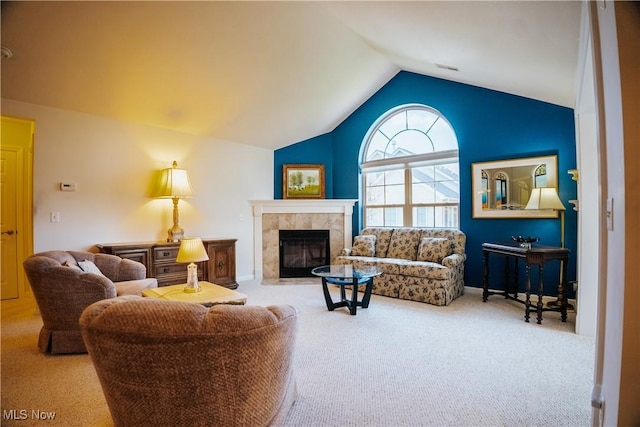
(409, 131)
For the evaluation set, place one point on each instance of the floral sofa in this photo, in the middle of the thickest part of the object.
(418, 264)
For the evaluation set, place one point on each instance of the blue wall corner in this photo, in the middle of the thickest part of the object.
(489, 126)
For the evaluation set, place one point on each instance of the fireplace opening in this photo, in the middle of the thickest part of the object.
(303, 250)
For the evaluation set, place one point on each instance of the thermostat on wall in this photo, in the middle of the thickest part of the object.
(67, 186)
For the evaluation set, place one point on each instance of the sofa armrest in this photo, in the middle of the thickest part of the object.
(119, 269)
(454, 260)
(131, 270)
(345, 252)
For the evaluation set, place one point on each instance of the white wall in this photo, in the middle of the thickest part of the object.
(113, 162)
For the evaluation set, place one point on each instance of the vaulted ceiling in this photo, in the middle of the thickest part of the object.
(270, 73)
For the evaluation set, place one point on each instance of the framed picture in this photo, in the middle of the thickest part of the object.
(303, 181)
(501, 189)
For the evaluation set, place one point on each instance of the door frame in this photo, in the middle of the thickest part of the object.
(24, 192)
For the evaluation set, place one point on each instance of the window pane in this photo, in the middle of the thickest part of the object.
(411, 142)
(375, 196)
(377, 147)
(446, 216)
(421, 119)
(443, 136)
(394, 177)
(393, 217)
(423, 216)
(374, 217)
(394, 194)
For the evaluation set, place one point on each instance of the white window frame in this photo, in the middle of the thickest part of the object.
(406, 163)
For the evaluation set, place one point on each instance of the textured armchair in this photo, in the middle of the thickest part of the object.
(63, 290)
(167, 363)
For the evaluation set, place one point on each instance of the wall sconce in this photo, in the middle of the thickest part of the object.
(174, 184)
(575, 174)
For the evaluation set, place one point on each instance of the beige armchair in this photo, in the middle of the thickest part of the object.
(63, 290)
(164, 363)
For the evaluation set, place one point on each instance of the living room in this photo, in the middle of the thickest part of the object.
(113, 159)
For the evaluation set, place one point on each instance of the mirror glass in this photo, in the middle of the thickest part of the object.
(502, 188)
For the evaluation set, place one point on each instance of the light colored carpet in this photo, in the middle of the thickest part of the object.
(397, 363)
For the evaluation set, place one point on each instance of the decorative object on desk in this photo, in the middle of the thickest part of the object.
(303, 182)
(548, 199)
(174, 184)
(192, 250)
(502, 188)
(525, 242)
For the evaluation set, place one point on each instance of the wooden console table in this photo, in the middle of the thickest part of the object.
(160, 260)
(537, 255)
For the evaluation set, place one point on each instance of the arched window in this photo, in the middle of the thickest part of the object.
(410, 170)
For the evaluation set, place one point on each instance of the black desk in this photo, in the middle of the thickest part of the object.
(536, 255)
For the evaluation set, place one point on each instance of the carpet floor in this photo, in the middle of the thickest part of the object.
(397, 363)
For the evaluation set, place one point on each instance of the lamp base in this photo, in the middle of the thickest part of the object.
(192, 279)
(192, 289)
(175, 234)
(556, 304)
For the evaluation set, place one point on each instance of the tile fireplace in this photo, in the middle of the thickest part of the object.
(271, 216)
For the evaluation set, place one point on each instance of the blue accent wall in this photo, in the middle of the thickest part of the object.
(489, 126)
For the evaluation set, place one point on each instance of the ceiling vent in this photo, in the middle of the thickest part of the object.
(447, 67)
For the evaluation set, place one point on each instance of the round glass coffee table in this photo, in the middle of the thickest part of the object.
(347, 275)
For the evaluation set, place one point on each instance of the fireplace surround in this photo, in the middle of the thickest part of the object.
(271, 216)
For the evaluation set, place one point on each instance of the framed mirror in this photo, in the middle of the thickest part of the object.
(501, 189)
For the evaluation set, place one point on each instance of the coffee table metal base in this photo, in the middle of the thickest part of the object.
(353, 303)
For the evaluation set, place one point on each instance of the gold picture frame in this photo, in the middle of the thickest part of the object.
(501, 189)
(303, 181)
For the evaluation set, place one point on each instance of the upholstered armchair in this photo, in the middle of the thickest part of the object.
(62, 290)
(164, 363)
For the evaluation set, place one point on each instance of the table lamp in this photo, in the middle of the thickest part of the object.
(174, 184)
(192, 250)
(548, 199)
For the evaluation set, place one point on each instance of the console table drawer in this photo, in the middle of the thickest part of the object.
(175, 268)
(165, 254)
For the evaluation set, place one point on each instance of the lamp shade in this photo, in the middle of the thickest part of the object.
(174, 182)
(545, 198)
(192, 250)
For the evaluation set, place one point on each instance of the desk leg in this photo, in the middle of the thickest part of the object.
(540, 292)
(485, 276)
(527, 302)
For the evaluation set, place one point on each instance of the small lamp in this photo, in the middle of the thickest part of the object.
(174, 184)
(192, 250)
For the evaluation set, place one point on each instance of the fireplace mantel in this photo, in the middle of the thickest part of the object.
(343, 207)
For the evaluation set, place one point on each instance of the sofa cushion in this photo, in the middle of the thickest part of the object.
(89, 267)
(434, 249)
(404, 243)
(364, 245)
(383, 237)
